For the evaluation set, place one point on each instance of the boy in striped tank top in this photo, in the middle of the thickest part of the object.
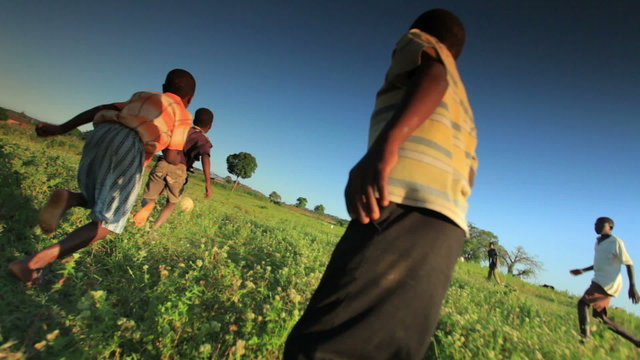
(124, 139)
(381, 293)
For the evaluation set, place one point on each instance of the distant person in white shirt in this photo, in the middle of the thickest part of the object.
(610, 253)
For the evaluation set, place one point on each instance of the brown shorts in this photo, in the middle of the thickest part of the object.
(166, 176)
(596, 297)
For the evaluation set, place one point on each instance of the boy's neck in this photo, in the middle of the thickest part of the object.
(604, 237)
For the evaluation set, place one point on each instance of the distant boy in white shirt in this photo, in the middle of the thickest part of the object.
(610, 253)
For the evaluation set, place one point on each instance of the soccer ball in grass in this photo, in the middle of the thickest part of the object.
(186, 204)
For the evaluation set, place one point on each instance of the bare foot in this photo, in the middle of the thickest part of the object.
(21, 270)
(142, 215)
(52, 212)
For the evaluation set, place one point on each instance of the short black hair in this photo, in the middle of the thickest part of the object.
(180, 82)
(445, 26)
(606, 220)
(203, 118)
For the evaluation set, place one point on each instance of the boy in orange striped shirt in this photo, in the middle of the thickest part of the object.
(125, 137)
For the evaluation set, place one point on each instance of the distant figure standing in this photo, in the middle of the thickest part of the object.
(173, 178)
(125, 137)
(610, 253)
(381, 292)
(492, 253)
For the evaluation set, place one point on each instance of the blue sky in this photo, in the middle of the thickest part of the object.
(554, 88)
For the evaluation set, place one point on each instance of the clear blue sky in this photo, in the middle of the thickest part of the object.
(553, 84)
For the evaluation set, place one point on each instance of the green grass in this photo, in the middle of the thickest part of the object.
(227, 281)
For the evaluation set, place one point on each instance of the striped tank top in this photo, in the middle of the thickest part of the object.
(435, 161)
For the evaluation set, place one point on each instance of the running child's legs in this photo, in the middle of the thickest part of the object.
(24, 269)
(165, 213)
(59, 202)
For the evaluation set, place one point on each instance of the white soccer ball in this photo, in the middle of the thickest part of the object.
(186, 204)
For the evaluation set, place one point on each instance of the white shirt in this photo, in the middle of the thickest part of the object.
(609, 255)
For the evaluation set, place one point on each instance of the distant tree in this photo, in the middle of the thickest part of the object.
(319, 209)
(477, 244)
(275, 197)
(519, 263)
(228, 179)
(301, 202)
(341, 223)
(242, 165)
(3, 114)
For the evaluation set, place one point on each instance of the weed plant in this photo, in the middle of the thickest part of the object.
(227, 281)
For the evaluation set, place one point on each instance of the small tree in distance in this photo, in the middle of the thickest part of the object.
(301, 202)
(242, 165)
(275, 197)
(319, 209)
(519, 263)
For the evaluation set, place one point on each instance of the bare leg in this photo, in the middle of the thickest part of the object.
(143, 214)
(164, 214)
(25, 269)
(583, 318)
(59, 202)
(619, 330)
(495, 276)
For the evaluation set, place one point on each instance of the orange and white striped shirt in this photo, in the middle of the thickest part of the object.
(160, 119)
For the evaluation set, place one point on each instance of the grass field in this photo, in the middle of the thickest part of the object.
(227, 281)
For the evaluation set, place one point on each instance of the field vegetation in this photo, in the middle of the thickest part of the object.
(227, 281)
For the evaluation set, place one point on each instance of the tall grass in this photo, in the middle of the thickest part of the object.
(227, 281)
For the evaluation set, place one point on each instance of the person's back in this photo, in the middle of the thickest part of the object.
(125, 136)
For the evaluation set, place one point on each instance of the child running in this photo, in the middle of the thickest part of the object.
(125, 137)
(173, 178)
(610, 253)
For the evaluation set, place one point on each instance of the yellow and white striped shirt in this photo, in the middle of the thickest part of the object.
(434, 162)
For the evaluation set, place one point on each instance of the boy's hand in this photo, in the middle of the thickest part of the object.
(367, 176)
(48, 130)
(207, 192)
(633, 294)
(576, 272)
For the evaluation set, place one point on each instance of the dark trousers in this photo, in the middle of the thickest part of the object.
(381, 293)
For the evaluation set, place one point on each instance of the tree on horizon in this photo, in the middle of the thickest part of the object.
(301, 202)
(242, 165)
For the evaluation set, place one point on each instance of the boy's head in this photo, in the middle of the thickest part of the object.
(492, 244)
(203, 119)
(604, 225)
(444, 26)
(181, 83)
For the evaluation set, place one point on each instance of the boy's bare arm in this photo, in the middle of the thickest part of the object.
(633, 293)
(206, 169)
(371, 172)
(580, 271)
(47, 130)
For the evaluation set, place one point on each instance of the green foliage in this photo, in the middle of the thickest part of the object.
(319, 209)
(301, 202)
(275, 197)
(242, 165)
(3, 114)
(521, 264)
(227, 281)
(228, 179)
